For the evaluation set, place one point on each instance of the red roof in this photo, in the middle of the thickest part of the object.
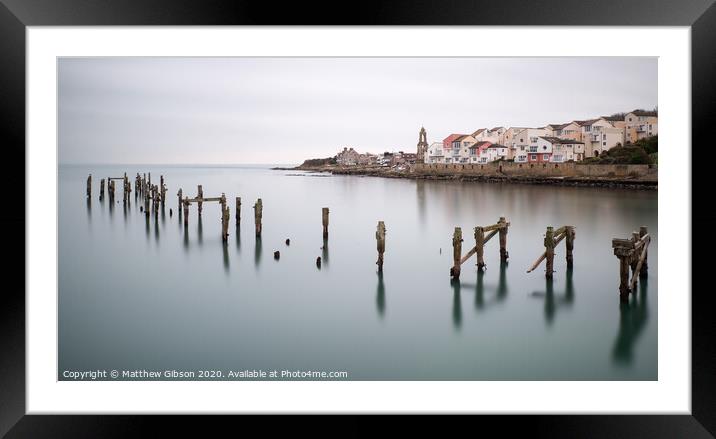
(451, 138)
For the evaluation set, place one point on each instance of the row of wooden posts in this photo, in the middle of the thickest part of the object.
(632, 252)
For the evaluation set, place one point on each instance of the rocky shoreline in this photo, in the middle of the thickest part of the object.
(374, 171)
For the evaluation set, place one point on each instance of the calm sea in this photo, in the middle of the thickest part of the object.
(156, 296)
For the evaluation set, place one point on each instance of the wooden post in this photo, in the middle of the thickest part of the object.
(258, 212)
(624, 277)
(149, 180)
(456, 252)
(186, 211)
(380, 238)
(644, 272)
(480, 247)
(549, 250)
(163, 189)
(111, 191)
(503, 239)
(325, 222)
(101, 190)
(146, 204)
(200, 195)
(179, 196)
(569, 244)
(89, 186)
(238, 210)
(224, 218)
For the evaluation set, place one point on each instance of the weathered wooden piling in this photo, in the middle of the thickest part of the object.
(186, 210)
(238, 210)
(549, 251)
(101, 190)
(380, 238)
(325, 222)
(553, 237)
(146, 204)
(224, 218)
(481, 240)
(258, 213)
(569, 245)
(318, 262)
(632, 254)
(480, 247)
(456, 252)
(503, 239)
(89, 186)
(200, 196)
(111, 191)
(163, 189)
(180, 200)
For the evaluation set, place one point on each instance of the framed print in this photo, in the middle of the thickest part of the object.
(430, 215)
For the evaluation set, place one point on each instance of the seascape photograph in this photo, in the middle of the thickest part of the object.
(357, 218)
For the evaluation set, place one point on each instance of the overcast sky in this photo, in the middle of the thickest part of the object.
(284, 110)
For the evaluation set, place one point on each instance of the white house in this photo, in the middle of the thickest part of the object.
(561, 150)
(600, 135)
(494, 152)
(435, 153)
(525, 142)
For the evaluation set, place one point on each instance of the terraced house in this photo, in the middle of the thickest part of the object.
(640, 124)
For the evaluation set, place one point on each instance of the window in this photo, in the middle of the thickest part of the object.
(544, 147)
(587, 128)
(533, 149)
(545, 157)
(604, 143)
(533, 156)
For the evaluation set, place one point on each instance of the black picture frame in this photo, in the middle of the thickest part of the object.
(15, 15)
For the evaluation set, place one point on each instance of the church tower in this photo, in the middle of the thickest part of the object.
(422, 146)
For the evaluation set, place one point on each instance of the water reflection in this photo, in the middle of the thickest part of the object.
(89, 209)
(199, 231)
(147, 226)
(420, 192)
(156, 230)
(186, 238)
(380, 295)
(633, 316)
(480, 289)
(238, 238)
(324, 253)
(257, 252)
(551, 303)
(456, 306)
(225, 247)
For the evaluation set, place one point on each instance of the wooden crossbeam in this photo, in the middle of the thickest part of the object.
(645, 241)
(539, 260)
(474, 249)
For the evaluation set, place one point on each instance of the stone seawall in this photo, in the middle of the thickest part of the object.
(561, 174)
(511, 169)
